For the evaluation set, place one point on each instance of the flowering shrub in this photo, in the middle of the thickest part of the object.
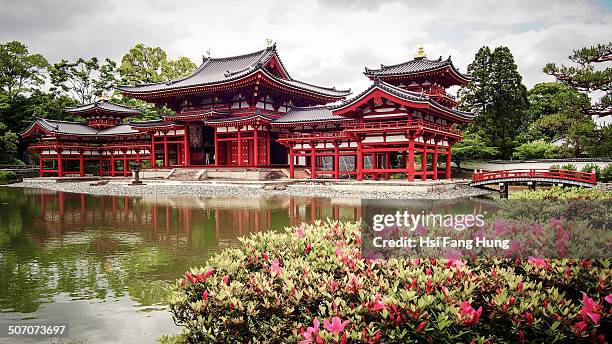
(310, 284)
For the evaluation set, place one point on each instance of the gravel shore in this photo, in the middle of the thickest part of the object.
(245, 191)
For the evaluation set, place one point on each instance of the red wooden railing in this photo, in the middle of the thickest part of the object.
(330, 135)
(403, 124)
(539, 173)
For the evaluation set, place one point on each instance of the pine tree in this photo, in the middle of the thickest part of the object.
(497, 94)
(584, 77)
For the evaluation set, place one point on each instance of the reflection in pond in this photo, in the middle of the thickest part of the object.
(103, 263)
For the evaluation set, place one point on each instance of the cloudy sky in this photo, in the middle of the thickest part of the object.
(323, 42)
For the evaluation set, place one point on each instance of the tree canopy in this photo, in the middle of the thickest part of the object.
(151, 64)
(499, 98)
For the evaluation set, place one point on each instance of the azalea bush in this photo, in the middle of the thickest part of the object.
(310, 284)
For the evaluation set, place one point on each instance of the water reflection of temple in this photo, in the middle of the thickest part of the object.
(230, 217)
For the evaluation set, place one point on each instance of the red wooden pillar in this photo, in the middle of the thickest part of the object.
(81, 164)
(152, 152)
(359, 160)
(387, 164)
(112, 162)
(60, 167)
(125, 163)
(435, 160)
(448, 162)
(216, 157)
(239, 147)
(291, 162)
(336, 160)
(256, 145)
(187, 157)
(138, 156)
(411, 158)
(424, 160)
(268, 147)
(166, 158)
(313, 160)
(40, 164)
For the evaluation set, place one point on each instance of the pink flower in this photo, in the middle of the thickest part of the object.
(300, 231)
(468, 315)
(336, 325)
(451, 263)
(333, 286)
(421, 326)
(226, 279)
(590, 309)
(539, 262)
(182, 282)
(378, 304)
(427, 271)
(608, 299)
(311, 332)
(275, 267)
(205, 295)
(338, 252)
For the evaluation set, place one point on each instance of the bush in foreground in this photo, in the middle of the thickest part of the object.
(8, 177)
(562, 193)
(310, 284)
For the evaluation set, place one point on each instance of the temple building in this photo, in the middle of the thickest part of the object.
(247, 112)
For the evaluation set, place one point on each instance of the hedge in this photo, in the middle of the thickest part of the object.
(310, 284)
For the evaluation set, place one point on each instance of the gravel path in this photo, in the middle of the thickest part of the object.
(245, 191)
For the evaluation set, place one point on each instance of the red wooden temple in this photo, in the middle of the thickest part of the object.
(247, 112)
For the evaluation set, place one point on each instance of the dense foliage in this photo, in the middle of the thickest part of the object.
(310, 284)
(32, 87)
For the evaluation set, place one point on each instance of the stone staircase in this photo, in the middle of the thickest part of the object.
(185, 174)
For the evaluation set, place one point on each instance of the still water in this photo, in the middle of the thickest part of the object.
(103, 264)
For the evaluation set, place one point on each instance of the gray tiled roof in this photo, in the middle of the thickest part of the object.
(76, 128)
(405, 94)
(309, 114)
(105, 106)
(150, 123)
(414, 67)
(219, 70)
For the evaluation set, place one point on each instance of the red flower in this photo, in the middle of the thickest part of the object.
(529, 318)
(336, 325)
(307, 249)
(378, 304)
(191, 278)
(333, 286)
(590, 309)
(520, 286)
(468, 315)
(421, 326)
(226, 279)
(581, 326)
(182, 282)
(427, 271)
(608, 299)
(205, 295)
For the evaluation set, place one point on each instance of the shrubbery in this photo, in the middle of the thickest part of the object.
(535, 150)
(8, 177)
(562, 193)
(310, 284)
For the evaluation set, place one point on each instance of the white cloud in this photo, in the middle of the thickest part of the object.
(324, 42)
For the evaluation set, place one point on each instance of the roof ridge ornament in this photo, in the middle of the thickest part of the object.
(420, 54)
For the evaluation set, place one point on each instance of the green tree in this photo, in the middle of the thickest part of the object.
(472, 147)
(83, 80)
(558, 111)
(8, 145)
(151, 64)
(584, 77)
(535, 150)
(20, 71)
(497, 94)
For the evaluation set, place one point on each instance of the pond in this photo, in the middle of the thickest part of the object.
(103, 264)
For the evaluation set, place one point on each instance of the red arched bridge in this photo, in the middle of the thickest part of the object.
(533, 176)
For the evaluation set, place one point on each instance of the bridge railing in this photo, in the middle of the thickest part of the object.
(536, 173)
